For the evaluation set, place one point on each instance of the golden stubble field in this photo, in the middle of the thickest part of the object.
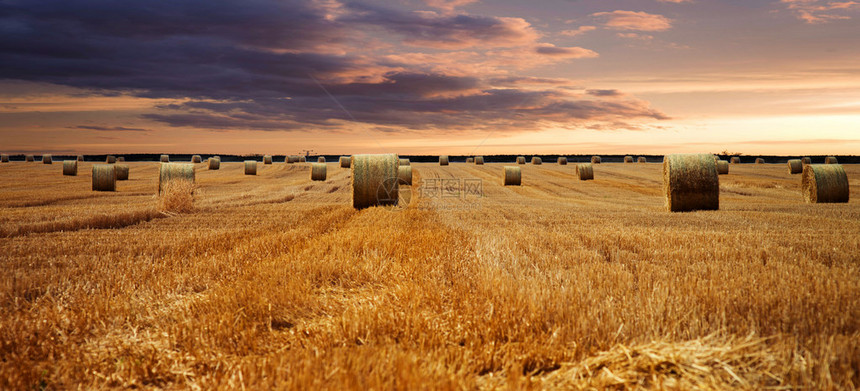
(274, 281)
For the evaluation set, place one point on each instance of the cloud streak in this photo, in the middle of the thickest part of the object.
(632, 20)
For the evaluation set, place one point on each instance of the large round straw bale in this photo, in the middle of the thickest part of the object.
(4, 158)
(250, 167)
(470, 160)
(344, 161)
(513, 176)
(521, 160)
(759, 160)
(628, 159)
(196, 159)
(536, 160)
(104, 177)
(735, 160)
(321, 159)
(164, 158)
(479, 160)
(691, 182)
(29, 158)
(318, 171)
(642, 159)
(214, 163)
(120, 158)
(174, 171)
(403, 162)
(374, 180)
(830, 160)
(110, 159)
(722, 167)
(824, 183)
(303, 159)
(47, 159)
(267, 159)
(443, 160)
(80, 158)
(122, 172)
(562, 161)
(795, 166)
(805, 160)
(70, 167)
(585, 171)
(595, 160)
(404, 175)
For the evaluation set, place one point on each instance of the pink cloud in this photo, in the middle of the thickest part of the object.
(577, 31)
(448, 5)
(549, 49)
(817, 11)
(632, 20)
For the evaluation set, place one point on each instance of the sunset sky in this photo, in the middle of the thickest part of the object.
(430, 76)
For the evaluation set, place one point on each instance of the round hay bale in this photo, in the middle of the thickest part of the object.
(110, 159)
(536, 161)
(404, 175)
(562, 161)
(585, 171)
(806, 160)
(795, 166)
(80, 158)
(164, 158)
(595, 160)
(174, 172)
(104, 177)
(344, 161)
(642, 159)
(470, 160)
(722, 167)
(827, 160)
(120, 159)
(513, 176)
(47, 159)
(824, 183)
(479, 160)
(321, 159)
(291, 159)
(443, 160)
(403, 162)
(318, 171)
(70, 167)
(521, 160)
(214, 163)
(735, 160)
(29, 158)
(374, 180)
(196, 159)
(250, 167)
(267, 159)
(628, 159)
(4, 158)
(759, 160)
(122, 172)
(691, 182)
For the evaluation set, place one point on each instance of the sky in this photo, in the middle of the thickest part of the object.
(472, 77)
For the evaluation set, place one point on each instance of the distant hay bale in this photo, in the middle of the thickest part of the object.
(122, 172)
(691, 182)
(302, 159)
(795, 166)
(344, 161)
(628, 159)
(404, 175)
(536, 160)
(722, 167)
(214, 163)
(562, 161)
(806, 160)
(479, 160)
(164, 159)
(513, 176)
(318, 171)
(80, 158)
(70, 167)
(470, 160)
(29, 158)
(47, 159)
(4, 158)
(120, 159)
(403, 162)
(321, 159)
(174, 172)
(824, 183)
(736, 160)
(521, 160)
(374, 180)
(759, 160)
(104, 177)
(443, 160)
(267, 159)
(110, 159)
(196, 159)
(642, 159)
(250, 167)
(291, 159)
(830, 160)
(585, 171)
(595, 160)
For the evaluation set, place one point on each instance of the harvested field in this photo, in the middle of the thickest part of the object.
(275, 281)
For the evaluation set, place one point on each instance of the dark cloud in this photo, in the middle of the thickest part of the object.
(108, 128)
(604, 93)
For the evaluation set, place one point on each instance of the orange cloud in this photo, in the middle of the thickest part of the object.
(577, 31)
(632, 20)
(817, 11)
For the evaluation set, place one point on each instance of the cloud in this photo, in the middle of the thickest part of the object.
(818, 11)
(644, 37)
(632, 20)
(448, 5)
(604, 92)
(567, 52)
(577, 31)
(108, 128)
(675, 1)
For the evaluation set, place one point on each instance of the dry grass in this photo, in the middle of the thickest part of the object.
(276, 282)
